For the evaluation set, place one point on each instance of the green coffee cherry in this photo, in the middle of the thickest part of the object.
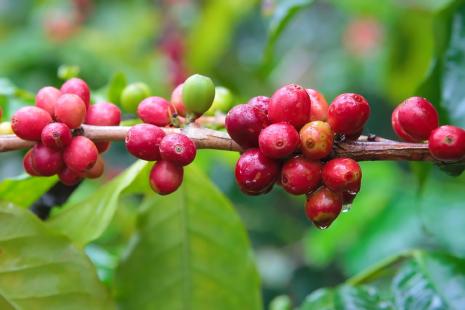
(132, 95)
(5, 128)
(223, 101)
(198, 93)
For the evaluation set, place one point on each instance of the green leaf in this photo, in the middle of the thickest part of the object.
(430, 281)
(24, 190)
(191, 252)
(42, 270)
(85, 221)
(281, 302)
(115, 87)
(66, 72)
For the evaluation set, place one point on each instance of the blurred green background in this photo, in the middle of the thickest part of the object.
(385, 50)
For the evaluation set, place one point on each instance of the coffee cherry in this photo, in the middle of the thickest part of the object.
(46, 98)
(323, 206)
(278, 140)
(414, 119)
(97, 170)
(261, 104)
(46, 161)
(27, 164)
(348, 113)
(348, 197)
(256, 173)
(319, 109)
(300, 176)
(103, 114)
(290, 104)
(80, 155)
(56, 136)
(198, 93)
(28, 122)
(353, 136)
(244, 123)
(77, 87)
(222, 102)
(69, 177)
(447, 143)
(166, 177)
(316, 140)
(156, 111)
(178, 149)
(102, 146)
(342, 174)
(132, 95)
(71, 110)
(143, 141)
(176, 100)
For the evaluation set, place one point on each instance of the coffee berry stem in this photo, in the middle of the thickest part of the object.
(364, 149)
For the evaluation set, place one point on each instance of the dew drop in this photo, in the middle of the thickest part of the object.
(322, 227)
(346, 208)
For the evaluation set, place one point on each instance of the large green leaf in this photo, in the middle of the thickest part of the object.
(84, 221)
(24, 190)
(191, 252)
(42, 270)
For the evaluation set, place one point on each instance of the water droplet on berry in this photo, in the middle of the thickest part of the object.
(346, 208)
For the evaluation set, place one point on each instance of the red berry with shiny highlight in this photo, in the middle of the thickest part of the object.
(319, 109)
(156, 111)
(244, 123)
(143, 141)
(69, 177)
(46, 161)
(323, 206)
(316, 140)
(166, 177)
(56, 136)
(28, 122)
(290, 104)
(256, 173)
(261, 104)
(77, 87)
(97, 170)
(342, 174)
(46, 98)
(102, 146)
(80, 155)
(348, 197)
(415, 119)
(176, 100)
(447, 143)
(300, 176)
(27, 164)
(348, 113)
(103, 114)
(178, 149)
(278, 140)
(71, 110)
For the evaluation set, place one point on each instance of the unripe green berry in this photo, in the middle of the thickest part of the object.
(223, 102)
(133, 94)
(198, 93)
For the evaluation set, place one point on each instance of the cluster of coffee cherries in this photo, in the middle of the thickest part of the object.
(417, 120)
(288, 140)
(53, 123)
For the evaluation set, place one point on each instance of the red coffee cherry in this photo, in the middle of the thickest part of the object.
(71, 110)
(176, 100)
(256, 173)
(348, 113)
(143, 141)
(316, 140)
(323, 206)
(278, 140)
(80, 155)
(166, 177)
(77, 87)
(354, 136)
(319, 109)
(291, 104)
(342, 174)
(102, 146)
(28, 122)
(261, 104)
(97, 170)
(46, 161)
(46, 98)
(414, 119)
(447, 143)
(103, 114)
(69, 177)
(347, 198)
(27, 164)
(244, 123)
(156, 111)
(300, 176)
(56, 136)
(178, 149)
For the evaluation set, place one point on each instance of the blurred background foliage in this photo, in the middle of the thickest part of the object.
(385, 50)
